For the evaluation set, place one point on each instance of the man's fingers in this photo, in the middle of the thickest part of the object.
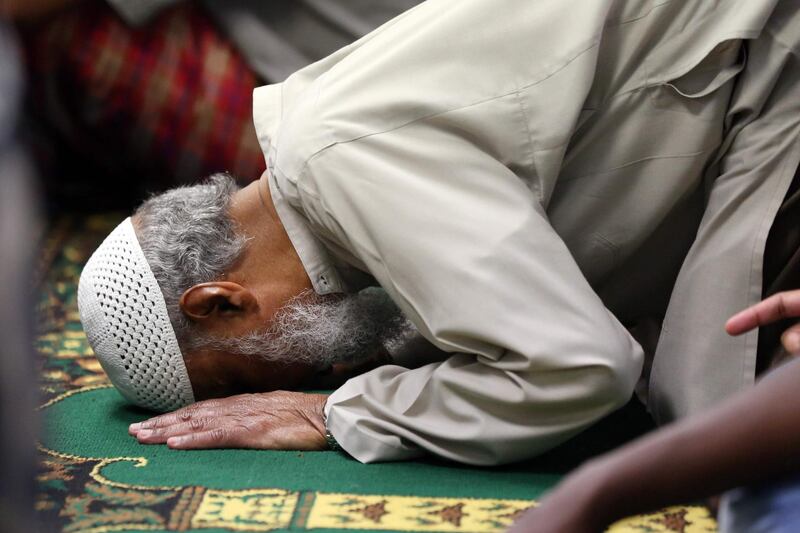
(161, 421)
(221, 437)
(742, 322)
(159, 435)
(201, 409)
(791, 339)
(776, 307)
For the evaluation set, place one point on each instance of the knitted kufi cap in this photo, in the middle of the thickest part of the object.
(126, 321)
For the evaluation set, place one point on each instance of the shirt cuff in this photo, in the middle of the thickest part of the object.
(359, 434)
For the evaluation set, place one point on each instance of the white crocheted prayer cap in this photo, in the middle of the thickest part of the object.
(125, 318)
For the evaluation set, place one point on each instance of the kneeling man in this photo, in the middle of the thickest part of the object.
(520, 179)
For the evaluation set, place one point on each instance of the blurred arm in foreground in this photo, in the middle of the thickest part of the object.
(748, 440)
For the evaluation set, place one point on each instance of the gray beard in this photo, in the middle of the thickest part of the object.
(320, 330)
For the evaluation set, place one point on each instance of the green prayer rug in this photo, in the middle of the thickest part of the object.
(94, 477)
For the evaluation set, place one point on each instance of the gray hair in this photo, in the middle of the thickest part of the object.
(188, 237)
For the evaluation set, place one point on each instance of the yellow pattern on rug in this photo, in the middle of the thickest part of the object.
(410, 513)
(246, 510)
(269, 509)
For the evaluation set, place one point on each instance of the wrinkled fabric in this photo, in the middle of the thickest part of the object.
(523, 179)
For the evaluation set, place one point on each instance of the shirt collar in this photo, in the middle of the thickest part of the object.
(315, 258)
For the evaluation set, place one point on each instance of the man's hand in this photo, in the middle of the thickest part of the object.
(274, 420)
(777, 307)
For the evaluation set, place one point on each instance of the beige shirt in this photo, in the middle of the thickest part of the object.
(521, 177)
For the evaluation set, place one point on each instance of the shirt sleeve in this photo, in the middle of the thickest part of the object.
(463, 246)
(697, 364)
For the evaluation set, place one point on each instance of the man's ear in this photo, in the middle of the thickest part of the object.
(217, 299)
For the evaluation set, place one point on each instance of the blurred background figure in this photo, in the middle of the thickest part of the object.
(19, 228)
(129, 97)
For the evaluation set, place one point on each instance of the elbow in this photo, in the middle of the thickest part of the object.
(615, 388)
(615, 377)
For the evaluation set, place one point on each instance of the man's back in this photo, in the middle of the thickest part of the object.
(484, 194)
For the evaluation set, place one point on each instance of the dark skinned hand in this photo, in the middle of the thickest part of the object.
(776, 307)
(277, 420)
(572, 507)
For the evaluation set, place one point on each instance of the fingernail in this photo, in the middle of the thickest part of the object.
(792, 342)
(135, 426)
(174, 441)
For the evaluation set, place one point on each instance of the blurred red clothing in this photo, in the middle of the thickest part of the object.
(164, 104)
